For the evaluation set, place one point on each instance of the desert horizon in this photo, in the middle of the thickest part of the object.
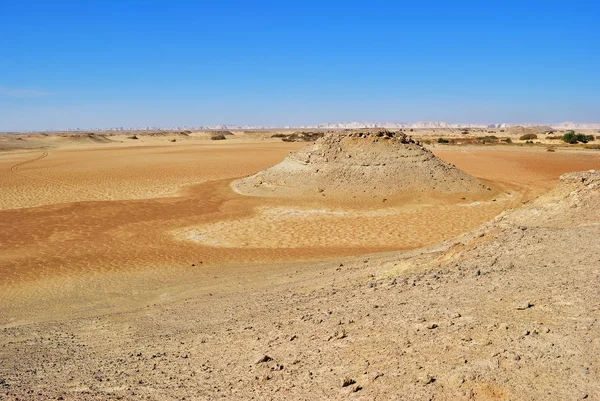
(299, 201)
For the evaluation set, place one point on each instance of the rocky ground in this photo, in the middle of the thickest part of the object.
(510, 312)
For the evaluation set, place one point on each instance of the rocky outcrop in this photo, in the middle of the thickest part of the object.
(573, 202)
(368, 162)
(300, 136)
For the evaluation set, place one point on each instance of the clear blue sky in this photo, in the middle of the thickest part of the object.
(66, 64)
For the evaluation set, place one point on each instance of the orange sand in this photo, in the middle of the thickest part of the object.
(117, 208)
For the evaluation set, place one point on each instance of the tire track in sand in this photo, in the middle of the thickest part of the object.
(16, 169)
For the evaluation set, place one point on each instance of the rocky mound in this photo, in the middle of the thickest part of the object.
(88, 137)
(535, 130)
(300, 136)
(221, 132)
(212, 134)
(378, 162)
(218, 137)
(574, 202)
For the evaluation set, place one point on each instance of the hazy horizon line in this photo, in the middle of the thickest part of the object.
(423, 124)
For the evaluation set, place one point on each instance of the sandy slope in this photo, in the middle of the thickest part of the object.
(509, 311)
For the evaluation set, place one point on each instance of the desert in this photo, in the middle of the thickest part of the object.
(310, 200)
(181, 265)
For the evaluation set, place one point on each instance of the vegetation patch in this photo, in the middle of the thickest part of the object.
(488, 139)
(573, 137)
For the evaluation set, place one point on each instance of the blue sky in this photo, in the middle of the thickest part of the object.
(67, 64)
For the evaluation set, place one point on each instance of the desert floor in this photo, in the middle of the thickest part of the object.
(104, 245)
(75, 212)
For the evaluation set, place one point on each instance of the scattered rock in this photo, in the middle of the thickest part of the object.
(427, 379)
(263, 359)
(346, 381)
(524, 305)
(376, 375)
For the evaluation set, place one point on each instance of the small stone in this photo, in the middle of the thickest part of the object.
(357, 388)
(432, 326)
(263, 359)
(346, 381)
(585, 371)
(427, 379)
(524, 305)
(376, 375)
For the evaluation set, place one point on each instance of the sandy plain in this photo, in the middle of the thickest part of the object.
(80, 208)
(118, 232)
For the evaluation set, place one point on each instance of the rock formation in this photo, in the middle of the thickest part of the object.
(368, 162)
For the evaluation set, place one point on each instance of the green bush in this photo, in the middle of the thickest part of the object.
(574, 137)
(508, 140)
(488, 139)
(442, 140)
(528, 137)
